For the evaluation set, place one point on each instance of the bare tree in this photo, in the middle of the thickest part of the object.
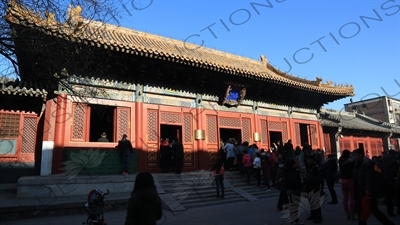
(32, 54)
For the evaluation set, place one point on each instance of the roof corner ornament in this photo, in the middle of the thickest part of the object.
(50, 17)
(318, 81)
(74, 16)
(264, 60)
(329, 83)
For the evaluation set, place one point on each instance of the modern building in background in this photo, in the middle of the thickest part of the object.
(382, 108)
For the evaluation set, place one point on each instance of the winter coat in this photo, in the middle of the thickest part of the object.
(292, 179)
(390, 167)
(330, 168)
(177, 149)
(246, 160)
(346, 168)
(125, 146)
(144, 207)
(257, 163)
(312, 181)
(280, 179)
(363, 177)
(266, 166)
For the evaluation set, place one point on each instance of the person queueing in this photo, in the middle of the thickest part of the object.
(219, 171)
(125, 148)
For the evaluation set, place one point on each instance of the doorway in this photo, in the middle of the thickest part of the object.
(275, 136)
(225, 134)
(305, 134)
(170, 132)
(361, 146)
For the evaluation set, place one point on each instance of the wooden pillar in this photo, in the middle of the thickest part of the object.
(59, 131)
(140, 137)
(201, 150)
(256, 125)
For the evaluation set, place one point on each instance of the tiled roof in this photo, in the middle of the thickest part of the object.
(355, 121)
(21, 88)
(79, 30)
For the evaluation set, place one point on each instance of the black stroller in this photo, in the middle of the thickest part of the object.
(95, 207)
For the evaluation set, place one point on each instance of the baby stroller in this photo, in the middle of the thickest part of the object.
(95, 207)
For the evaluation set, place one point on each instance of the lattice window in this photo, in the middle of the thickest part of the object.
(272, 125)
(246, 129)
(168, 117)
(9, 125)
(78, 124)
(285, 134)
(187, 128)
(373, 151)
(152, 125)
(314, 134)
(327, 143)
(229, 122)
(123, 122)
(346, 144)
(297, 133)
(212, 133)
(29, 135)
(264, 132)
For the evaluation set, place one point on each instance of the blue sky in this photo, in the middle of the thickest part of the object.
(333, 39)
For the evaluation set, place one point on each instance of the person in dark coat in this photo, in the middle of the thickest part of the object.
(330, 169)
(219, 178)
(288, 151)
(165, 156)
(103, 138)
(312, 187)
(283, 199)
(346, 165)
(390, 169)
(365, 186)
(292, 178)
(144, 205)
(177, 150)
(125, 148)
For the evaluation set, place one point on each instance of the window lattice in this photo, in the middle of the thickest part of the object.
(314, 136)
(9, 125)
(264, 132)
(285, 134)
(229, 122)
(187, 128)
(297, 133)
(246, 129)
(123, 122)
(167, 117)
(272, 125)
(29, 135)
(152, 125)
(78, 124)
(212, 129)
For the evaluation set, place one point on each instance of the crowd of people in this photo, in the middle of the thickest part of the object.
(303, 172)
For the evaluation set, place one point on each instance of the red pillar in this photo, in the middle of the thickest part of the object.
(61, 112)
(140, 136)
